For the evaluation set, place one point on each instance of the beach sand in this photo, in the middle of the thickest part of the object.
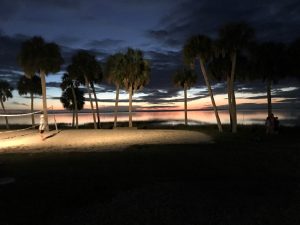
(94, 140)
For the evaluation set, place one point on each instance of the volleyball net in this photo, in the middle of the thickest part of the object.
(23, 123)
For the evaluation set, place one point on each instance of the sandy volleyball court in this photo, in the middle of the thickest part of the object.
(95, 140)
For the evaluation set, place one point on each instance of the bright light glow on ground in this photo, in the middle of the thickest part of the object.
(96, 140)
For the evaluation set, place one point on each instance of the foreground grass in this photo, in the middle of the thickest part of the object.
(246, 178)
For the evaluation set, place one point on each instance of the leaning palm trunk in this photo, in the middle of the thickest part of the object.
(73, 119)
(75, 104)
(229, 101)
(45, 112)
(90, 96)
(269, 96)
(116, 104)
(6, 119)
(130, 105)
(97, 107)
(32, 115)
(185, 104)
(211, 95)
(234, 115)
(233, 105)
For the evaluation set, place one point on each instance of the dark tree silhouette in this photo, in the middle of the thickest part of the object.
(5, 94)
(87, 70)
(185, 78)
(137, 75)
(233, 38)
(31, 86)
(68, 101)
(115, 73)
(201, 48)
(37, 56)
(270, 65)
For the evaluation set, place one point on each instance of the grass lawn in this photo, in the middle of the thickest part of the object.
(242, 179)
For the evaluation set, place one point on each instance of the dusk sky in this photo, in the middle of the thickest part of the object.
(159, 28)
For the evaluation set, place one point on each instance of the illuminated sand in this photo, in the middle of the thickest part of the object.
(96, 140)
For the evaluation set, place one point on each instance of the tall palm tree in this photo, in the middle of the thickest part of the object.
(270, 65)
(68, 100)
(30, 86)
(234, 37)
(185, 78)
(68, 83)
(92, 84)
(219, 69)
(200, 47)
(37, 56)
(5, 94)
(86, 69)
(137, 75)
(115, 73)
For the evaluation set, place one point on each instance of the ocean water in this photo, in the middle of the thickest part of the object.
(288, 118)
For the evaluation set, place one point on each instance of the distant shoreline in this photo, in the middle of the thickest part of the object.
(146, 111)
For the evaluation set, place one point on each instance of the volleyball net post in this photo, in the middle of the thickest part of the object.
(54, 119)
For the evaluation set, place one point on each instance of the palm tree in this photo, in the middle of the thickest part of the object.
(200, 47)
(96, 80)
(233, 38)
(68, 100)
(270, 65)
(5, 94)
(86, 69)
(37, 56)
(68, 83)
(30, 86)
(115, 73)
(137, 75)
(219, 69)
(185, 78)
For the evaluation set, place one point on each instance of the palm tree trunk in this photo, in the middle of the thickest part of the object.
(91, 102)
(229, 101)
(233, 105)
(130, 105)
(185, 104)
(32, 115)
(116, 104)
(269, 96)
(234, 115)
(6, 119)
(97, 108)
(211, 95)
(45, 110)
(73, 118)
(75, 104)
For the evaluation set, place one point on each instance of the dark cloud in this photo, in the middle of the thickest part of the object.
(67, 39)
(105, 43)
(9, 49)
(9, 8)
(10, 76)
(18, 103)
(273, 20)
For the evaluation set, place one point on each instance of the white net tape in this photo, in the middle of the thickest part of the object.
(24, 115)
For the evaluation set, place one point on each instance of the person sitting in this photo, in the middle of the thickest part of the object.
(270, 124)
(276, 125)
